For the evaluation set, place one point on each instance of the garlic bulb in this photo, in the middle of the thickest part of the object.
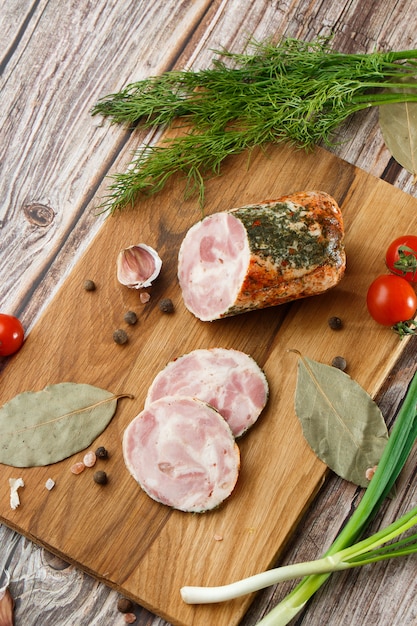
(138, 266)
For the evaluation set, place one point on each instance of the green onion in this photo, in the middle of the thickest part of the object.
(346, 551)
(364, 552)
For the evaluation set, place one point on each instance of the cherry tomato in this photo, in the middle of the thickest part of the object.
(401, 257)
(391, 299)
(11, 334)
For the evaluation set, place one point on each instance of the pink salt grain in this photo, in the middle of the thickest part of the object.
(369, 474)
(144, 297)
(130, 618)
(90, 459)
(77, 468)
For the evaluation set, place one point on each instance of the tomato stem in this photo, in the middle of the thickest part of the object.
(407, 260)
(403, 329)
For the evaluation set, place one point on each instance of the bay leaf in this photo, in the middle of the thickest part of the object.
(42, 427)
(340, 421)
(398, 123)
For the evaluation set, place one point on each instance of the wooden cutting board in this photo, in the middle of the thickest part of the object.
(116, 533)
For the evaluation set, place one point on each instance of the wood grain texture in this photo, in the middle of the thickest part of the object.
(117, 533)
(55, 62)
(54, 154)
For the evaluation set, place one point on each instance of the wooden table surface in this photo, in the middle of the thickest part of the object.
(57, 60)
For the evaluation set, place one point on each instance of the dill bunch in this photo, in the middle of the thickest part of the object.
(296, 91)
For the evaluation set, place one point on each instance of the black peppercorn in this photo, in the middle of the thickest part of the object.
(339, 362)
(335, 323)
(166, 305)
(124, 605)
(89, 285)
(130, 317)
(100, 477)
(101, 453)
(120, 336)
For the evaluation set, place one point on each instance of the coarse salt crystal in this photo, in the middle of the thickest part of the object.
(144, 297)
(130, 618)
(90, 459)
(50, 484)
(77, 468)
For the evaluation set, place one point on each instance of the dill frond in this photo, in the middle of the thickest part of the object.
(295, 91)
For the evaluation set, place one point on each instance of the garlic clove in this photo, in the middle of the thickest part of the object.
(6, 604)
(138, 266)
(6, 609)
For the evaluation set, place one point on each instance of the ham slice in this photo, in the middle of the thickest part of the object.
(262, 255)
(229, 380)
(182, 453)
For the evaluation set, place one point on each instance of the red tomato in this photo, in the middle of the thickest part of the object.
(391, 299)
(11, 334)
(401, 257)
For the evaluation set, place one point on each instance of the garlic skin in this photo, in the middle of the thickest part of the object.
(138, 266)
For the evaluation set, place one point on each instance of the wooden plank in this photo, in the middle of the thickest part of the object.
(28, 285)
(61, 170)
(55, 155)
(118, 534)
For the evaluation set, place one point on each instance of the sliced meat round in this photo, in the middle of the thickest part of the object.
(262, 255)
(229, 380)
(182, 453)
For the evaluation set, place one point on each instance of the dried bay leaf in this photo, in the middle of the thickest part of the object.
(340, 421)
(398, 123)
(43, 427)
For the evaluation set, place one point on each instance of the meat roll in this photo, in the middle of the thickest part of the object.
(262, 255)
